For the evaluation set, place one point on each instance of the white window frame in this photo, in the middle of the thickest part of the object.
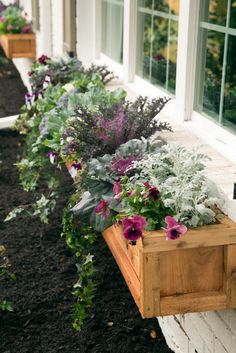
(182, 106)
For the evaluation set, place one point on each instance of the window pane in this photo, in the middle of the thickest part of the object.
(145, 3)
(159, 52)
(214, 11)
(229, 112)
(161, 5)
(112, 29)
(233, 14)
(212, 72)
(145, 35)
(157, 35)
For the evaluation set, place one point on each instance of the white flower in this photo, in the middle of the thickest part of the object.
(68, 87)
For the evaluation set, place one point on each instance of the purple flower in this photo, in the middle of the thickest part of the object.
(52, 155)
(133, 227)
(26, 29)
(174, 229)
(74, 169)
(43, 59)
(153, 192)
(3, 19)
(102, 207)
(117, 188)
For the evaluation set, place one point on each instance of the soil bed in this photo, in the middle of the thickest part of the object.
(12, 90)
(45, 274)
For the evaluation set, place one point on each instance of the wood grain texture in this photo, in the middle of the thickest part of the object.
(124, 263)
(191, 270)
(19, 45)
(150, 285)
(192, 274)
(194, 302)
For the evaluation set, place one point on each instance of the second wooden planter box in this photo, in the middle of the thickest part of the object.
(18, 45)
(194, 273)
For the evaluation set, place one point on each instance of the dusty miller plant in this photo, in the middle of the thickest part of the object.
(179, 174)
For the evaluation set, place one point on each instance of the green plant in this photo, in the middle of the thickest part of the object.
(80, 237)
(5, 271)
(13, 20)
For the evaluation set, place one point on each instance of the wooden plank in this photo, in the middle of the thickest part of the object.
(19, 45)
(150, 285)
(194, 302)
(194, 238)
(124, 264)
(191, 270)
(230, 275)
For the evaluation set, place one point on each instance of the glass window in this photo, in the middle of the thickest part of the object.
(112, 29)
(157, 33)
(216, 72)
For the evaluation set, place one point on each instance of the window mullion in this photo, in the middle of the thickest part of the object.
(224, 64)
(186, 57)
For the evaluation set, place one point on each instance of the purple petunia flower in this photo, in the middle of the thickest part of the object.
(133, 227)
(43, 59)
(102, 207)
(26, 29)
(117, 188)
(52, 155)
(74, 169)
(174, 229)
(153, 192)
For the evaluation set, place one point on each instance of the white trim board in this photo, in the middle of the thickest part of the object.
(8, 121)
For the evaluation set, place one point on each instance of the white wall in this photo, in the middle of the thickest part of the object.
(57, 27)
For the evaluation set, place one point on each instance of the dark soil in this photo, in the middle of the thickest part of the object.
(45, 274)
(12, 90)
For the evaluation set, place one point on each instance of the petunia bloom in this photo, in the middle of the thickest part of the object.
(43, 59)
(153, 192)
(102, 207)
(52, 155)
(133, 227)
(27, 29)
(174, 229)
(74, 169)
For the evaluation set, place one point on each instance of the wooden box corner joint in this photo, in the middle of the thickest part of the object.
(194, 273)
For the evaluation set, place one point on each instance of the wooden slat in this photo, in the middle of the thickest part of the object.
(230, 275)
(194, 302)
(191, 270)
(124, 264)
(194, 238)
(150, 285)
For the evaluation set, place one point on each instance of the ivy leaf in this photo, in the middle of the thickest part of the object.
(13, 213)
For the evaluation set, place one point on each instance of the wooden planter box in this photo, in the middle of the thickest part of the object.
(194, 273)
(18, 45)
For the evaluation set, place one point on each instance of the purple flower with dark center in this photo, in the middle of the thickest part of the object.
(102, 207)
(117, 189)
(153, 192)
(52, 155)
(174, 229)
(26, 29)
(74, 169)
(133, 227)
(43, 59)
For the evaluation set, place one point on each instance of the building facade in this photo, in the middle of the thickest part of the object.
(181, 48)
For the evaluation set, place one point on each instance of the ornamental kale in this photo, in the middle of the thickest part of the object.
(104, 130)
